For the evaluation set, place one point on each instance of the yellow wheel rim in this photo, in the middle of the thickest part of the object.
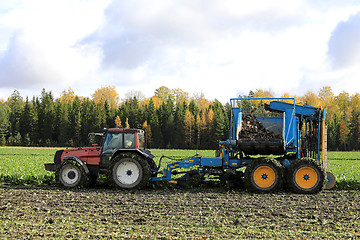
(306, 177)
(264, 176)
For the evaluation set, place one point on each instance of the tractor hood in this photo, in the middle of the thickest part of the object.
(89, 155)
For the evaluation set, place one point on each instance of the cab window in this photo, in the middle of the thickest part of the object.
(141, 140)
(129, 140)
(113, 142)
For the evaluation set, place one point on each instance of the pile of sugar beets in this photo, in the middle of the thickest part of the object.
(252, 128)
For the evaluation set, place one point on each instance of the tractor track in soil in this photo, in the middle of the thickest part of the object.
(172, 213)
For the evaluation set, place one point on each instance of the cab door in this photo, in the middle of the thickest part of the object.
(112, 142)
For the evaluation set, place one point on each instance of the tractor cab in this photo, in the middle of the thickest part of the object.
(120, 139)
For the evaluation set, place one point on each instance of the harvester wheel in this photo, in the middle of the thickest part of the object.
(306, 176)
(330, 180)
(71, 175)
(264, 175)
(129, 173)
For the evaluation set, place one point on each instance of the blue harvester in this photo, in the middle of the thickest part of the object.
(273, 143)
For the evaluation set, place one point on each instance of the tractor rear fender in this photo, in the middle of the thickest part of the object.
(78, 160)
(137, 152)
(144, 153)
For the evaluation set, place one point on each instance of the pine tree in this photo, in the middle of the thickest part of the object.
(354, 130)
(46, 117)
(35, 131)
(26, 120)
(153, 121)
(15, 103)
(75, 121)
(166, 120)
(62, 124)
(193, 108)
(168, 132)
(109, 119)
(178, 134)
(219, 125)
(334, 133)
(134, 112)
(90, 119)
(4, 123)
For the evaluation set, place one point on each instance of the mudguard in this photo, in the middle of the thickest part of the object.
(78, 160)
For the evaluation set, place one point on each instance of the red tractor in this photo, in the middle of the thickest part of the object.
(121, 157)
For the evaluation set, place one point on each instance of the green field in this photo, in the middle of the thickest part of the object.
(20, 165)
(346, 168)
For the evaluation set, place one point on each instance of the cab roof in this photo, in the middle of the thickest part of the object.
(131, 130)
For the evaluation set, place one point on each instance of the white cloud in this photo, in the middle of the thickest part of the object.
(221, 48)
(41, 47)
(344, 44)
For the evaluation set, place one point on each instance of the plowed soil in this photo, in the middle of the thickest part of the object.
(207, 213)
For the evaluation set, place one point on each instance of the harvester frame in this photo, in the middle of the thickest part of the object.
(300, 149)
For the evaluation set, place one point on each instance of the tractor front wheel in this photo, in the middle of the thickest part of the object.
(129, 173)
(71, 175)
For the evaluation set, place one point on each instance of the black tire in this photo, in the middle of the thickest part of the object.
(71, 175)
(306, 175)
(129, 173)
(264, 175)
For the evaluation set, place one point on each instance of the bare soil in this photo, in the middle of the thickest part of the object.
(206, 213)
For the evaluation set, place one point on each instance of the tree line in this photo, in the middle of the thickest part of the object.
(170, 118)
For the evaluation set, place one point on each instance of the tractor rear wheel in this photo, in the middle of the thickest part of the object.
(129, 173)
(264, 175)
(306, 176)
(71, 175)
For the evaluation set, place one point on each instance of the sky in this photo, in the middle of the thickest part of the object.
(219, 48)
